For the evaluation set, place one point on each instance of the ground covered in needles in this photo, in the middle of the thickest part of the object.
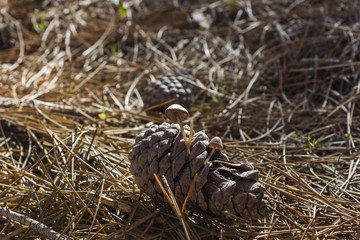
(278, 81)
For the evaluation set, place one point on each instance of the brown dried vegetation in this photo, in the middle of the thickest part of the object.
(278, 81)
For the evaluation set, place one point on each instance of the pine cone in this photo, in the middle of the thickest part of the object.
(166, 87)
(220, 185)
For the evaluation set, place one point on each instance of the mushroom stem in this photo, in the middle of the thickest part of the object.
(184, 137)
(178, 113)
(191, 132)
(208, 158)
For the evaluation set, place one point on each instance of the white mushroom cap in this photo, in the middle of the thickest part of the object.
(175, 112)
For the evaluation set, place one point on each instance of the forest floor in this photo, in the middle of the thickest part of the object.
(278, 81)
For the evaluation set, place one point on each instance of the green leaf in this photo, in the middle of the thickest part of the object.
(346, 135)
(69, 89)
(122, 11)
(293, 135)
(223, 91)
(102, 116)
(113, 49)
(41, 24)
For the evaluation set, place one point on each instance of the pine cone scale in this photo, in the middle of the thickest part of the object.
(197, 163)
(178, 162)
(185, 181)
(202, 178)
(165, 164)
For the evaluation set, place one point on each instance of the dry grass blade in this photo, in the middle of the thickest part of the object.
(173, 203)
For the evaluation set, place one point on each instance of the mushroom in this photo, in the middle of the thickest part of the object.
(215, 144)
(178, 113)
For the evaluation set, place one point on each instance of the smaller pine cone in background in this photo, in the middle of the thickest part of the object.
(220, 186)
(166, 87)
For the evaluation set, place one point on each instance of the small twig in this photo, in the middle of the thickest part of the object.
(35, 225)
(117, 205)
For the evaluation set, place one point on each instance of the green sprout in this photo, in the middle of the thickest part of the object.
(347, 137)
(41, 24)
(222, 95)
(69, 89)
(121, 10)
(223, 91)
(312, 142)
(293, 135)
(102, 115)
(113, 50)
(302, 232)
(230, 1)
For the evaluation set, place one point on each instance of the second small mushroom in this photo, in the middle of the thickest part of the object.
(215, 144)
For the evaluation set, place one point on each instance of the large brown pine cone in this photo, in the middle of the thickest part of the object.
(166, 87)
(220, 185)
